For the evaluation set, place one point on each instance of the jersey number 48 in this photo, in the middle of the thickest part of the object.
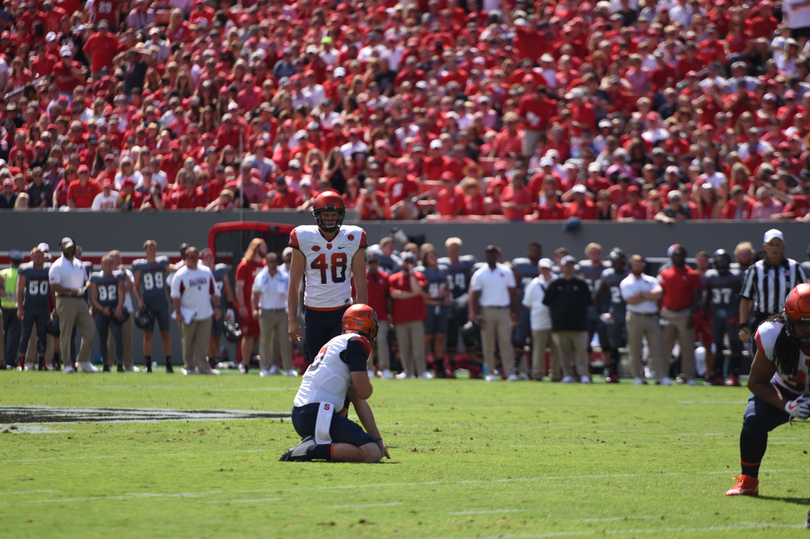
(337, 263)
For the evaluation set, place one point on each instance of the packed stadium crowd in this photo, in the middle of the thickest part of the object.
(501, 109)
(528, 318)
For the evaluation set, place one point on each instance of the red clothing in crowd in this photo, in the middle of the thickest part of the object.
(678, 285)
(83, 195)
(409, 309)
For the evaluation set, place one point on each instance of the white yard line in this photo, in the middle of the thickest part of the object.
(389, 485)
(487, 512)
(616, 519)
(247, 501)
(359, 506)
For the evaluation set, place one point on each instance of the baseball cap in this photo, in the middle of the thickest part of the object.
(128, 181)
(8, 182)
(545, 263)
(672, 169)
(771, 234)
(65, 51)
(66, 243)
(106, 183)
(579, 188)
(295, 163)
(372, 256)
(436, 144)
(633, 189)
(44, 247)
(568, 259)
(15, 255)
(408, 257)
(492, 248)
(51, 37)
(83, 168)
(447, 175)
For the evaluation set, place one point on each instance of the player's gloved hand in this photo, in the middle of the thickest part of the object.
(799, 408)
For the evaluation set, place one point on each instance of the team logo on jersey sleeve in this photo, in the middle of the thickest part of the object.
(351, 237)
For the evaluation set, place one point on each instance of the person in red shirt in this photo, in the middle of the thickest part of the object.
(101, 47)
(379, 298)
(509, 139)
(583, 116)
(581, 207)
(739, 205)
(634, 209)
(436, 163)
(450, 200)
(173, 162)
(67, 73)
(552, 210)
(764, 24)
(534, 111)
(400, 190)
(247, 270)
(81, 192)
(187, 196)
(285, 197)
(228, 133)
(408, 315)
(516, 201)
(128, 198)
(679, 303)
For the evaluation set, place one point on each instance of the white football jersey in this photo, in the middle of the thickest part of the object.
(328, 269)
(329, 376)
(766, 341)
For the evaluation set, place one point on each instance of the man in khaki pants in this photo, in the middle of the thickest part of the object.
(193, 293)
(269, 301)
(642, 292)
(494, 307)
(68, 281)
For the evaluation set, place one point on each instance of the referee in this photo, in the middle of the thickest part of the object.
(766, 285)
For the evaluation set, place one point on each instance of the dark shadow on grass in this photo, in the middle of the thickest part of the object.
(798, 501)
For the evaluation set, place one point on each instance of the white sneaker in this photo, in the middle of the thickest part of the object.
(691, 382)
(512, 378)
(491, 378)
(186, 372)
(523, 376)
(387, 374)
(133, 369)
(585, 379)
(274, 370)
(292, 373)
(371, 373)
(212, 371)
(567, 380)
(264, 373)
(68, 369)
(426, 376)
(401, 376)
(29, 368)
(638, 381)
(665, 381)
(86, 366)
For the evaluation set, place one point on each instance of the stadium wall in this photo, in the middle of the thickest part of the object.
(100, 232)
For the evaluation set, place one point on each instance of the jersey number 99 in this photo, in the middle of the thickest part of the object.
(152, 280)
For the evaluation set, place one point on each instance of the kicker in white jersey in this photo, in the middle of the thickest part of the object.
(328, 264)
(329, 376)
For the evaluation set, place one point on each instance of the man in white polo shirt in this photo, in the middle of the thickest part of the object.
(642, 292)
(494, 309)
(68, 281)
(541, 322)
(193, 292)
(269, 301)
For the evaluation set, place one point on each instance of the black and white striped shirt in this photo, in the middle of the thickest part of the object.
(768, 286)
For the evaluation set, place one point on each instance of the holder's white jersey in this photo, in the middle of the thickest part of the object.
(329, 376)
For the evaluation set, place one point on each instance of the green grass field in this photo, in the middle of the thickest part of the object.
(470, 459)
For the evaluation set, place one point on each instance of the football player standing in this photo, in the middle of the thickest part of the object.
(150, 291)
(330, 255)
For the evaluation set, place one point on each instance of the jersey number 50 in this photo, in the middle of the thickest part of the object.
(338, 263)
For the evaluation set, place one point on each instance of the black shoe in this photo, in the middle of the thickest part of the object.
(119, 368)
(299, 452)
(106, 368)
(148, 367)
(169, 369)
(42, 366)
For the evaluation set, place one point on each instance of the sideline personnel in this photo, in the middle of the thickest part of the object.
(68, 280)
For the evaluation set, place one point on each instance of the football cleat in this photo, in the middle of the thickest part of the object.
(169, 369)
(119, 368)
(716, 381)
(21, 365)
(148, 367)
(243, 369)
(745, 486)
(299, 452)
(612, 379)
(733, 381)
(807, 522)
(106, 368)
